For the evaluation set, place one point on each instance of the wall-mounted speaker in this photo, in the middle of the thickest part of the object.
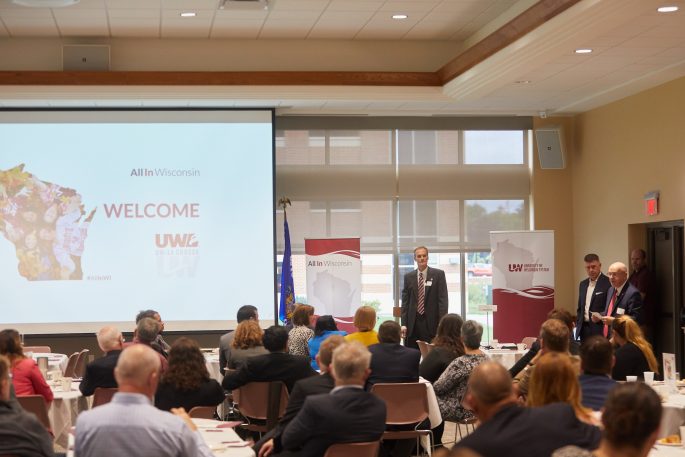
(550, 144)
(85, 57)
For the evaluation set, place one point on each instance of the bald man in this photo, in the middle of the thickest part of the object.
(130, 425)
(100, 372)
(512, 430)
(622, 298)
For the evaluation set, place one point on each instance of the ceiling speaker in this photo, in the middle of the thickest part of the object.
(85, 57)
(550, 145)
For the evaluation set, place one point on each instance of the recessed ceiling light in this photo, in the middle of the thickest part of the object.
(399, 16)
(45, 3)
(523, 81)
(188, 14)
(667, 9)
(583, 51)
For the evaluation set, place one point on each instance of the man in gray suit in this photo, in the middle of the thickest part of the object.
(424, 300)
(245, 313)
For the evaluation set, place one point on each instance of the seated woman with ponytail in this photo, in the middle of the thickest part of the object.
(634, 355)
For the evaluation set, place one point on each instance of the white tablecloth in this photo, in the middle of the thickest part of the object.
(667, 451)
(506, 357)
(212, 362)
(63, 411)
(55, 361)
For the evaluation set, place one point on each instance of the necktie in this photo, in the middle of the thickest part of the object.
(609, 311)
(422, 294)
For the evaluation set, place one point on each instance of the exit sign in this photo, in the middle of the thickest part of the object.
(652, 203)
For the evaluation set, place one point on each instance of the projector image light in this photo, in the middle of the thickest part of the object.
(45, 3)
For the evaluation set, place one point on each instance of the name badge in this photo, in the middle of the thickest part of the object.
(599, 293)
(429, 283)
(620, 311)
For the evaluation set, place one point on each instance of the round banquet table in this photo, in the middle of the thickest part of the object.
(506, 357)
(55, 361)
(64, 409)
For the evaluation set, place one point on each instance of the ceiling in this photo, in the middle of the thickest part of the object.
(634, 48)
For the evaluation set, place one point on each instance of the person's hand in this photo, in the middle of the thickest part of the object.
(266, 449)
(595, 318)
(181, 412)
(403, 332)
(607, 320)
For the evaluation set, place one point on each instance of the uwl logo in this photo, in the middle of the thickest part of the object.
(176, 240)
(515, 267)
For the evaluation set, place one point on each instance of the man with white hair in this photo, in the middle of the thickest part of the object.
(622, 298)
(130, 425)
(348, 414)
(100, 372)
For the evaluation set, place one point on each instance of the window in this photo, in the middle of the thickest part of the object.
(494, 147)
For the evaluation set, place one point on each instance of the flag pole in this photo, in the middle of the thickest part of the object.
(287, 301)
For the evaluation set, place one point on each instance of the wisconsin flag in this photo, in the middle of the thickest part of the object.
(285, 310)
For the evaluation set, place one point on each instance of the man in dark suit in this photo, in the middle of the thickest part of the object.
(622, 298)
(592, 294)
(278, 365)
(390, 361)
(515, 431)
(348, 414)
(100, 372)
(596, 361)
(303, 388)
(424, 300)
(245, 313)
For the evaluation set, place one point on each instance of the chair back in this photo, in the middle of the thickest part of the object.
(39, 349)
(103, 395)
(368, 449)
(202, 412)
(80, 368)
(528, 341)
(36, 404)
(406, 403)
(71, 364)
(255, 398)
(424, 348)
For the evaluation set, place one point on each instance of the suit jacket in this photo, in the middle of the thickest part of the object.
(435, 300)
(597, 303)
(629, 301)
(516, 431)
(347, 415)
(393, 363)
(275, 366)
(100, 373)
(225, 343)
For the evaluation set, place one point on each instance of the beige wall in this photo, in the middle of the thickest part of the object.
(622, 151)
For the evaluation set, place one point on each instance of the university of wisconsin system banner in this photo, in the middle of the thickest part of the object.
(522, 282)
(334, 278)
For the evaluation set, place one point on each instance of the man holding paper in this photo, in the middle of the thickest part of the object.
(622, 299)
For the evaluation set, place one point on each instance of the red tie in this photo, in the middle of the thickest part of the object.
(609, 311)
(422, 294)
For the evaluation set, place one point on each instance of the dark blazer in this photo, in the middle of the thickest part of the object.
(629, 301)
(597, 304)
(347, 415)
(630, 361)
(595, 389)
(210, 393)
(392, 362)
(100, 373)
(275, 366)
(515, 431)
(435, 300)
(437, 360)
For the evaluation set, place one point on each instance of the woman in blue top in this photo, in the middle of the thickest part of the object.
(325, 327)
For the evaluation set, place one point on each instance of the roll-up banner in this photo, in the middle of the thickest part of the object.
(522, 282)
(334, 278)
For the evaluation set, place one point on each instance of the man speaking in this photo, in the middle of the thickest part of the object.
(424, 300)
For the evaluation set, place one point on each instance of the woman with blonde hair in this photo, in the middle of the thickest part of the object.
(246, 343)
(365, 322)
(554, 380)
(634, 355)
(301, 331)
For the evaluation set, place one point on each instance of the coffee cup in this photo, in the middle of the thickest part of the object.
(631, 378)
(649, 377)
(66, 384)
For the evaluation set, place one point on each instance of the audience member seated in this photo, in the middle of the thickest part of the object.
(596, 362)
(634, 355)
(100, 372)
(301, 331)
(508, 429)
(451, 385)
(631, 419)
(277, 365)
(146, 334)
(325, 327)
(247, 342)
(187, 383)
(245, 313)
(26, 377)
(555, 380)
(347, 414)
(158, 344)
(303, 388)
(554, 337)
(129, 426)
(390, 361)
(20, 432)
(364, 322)
(447, 346)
